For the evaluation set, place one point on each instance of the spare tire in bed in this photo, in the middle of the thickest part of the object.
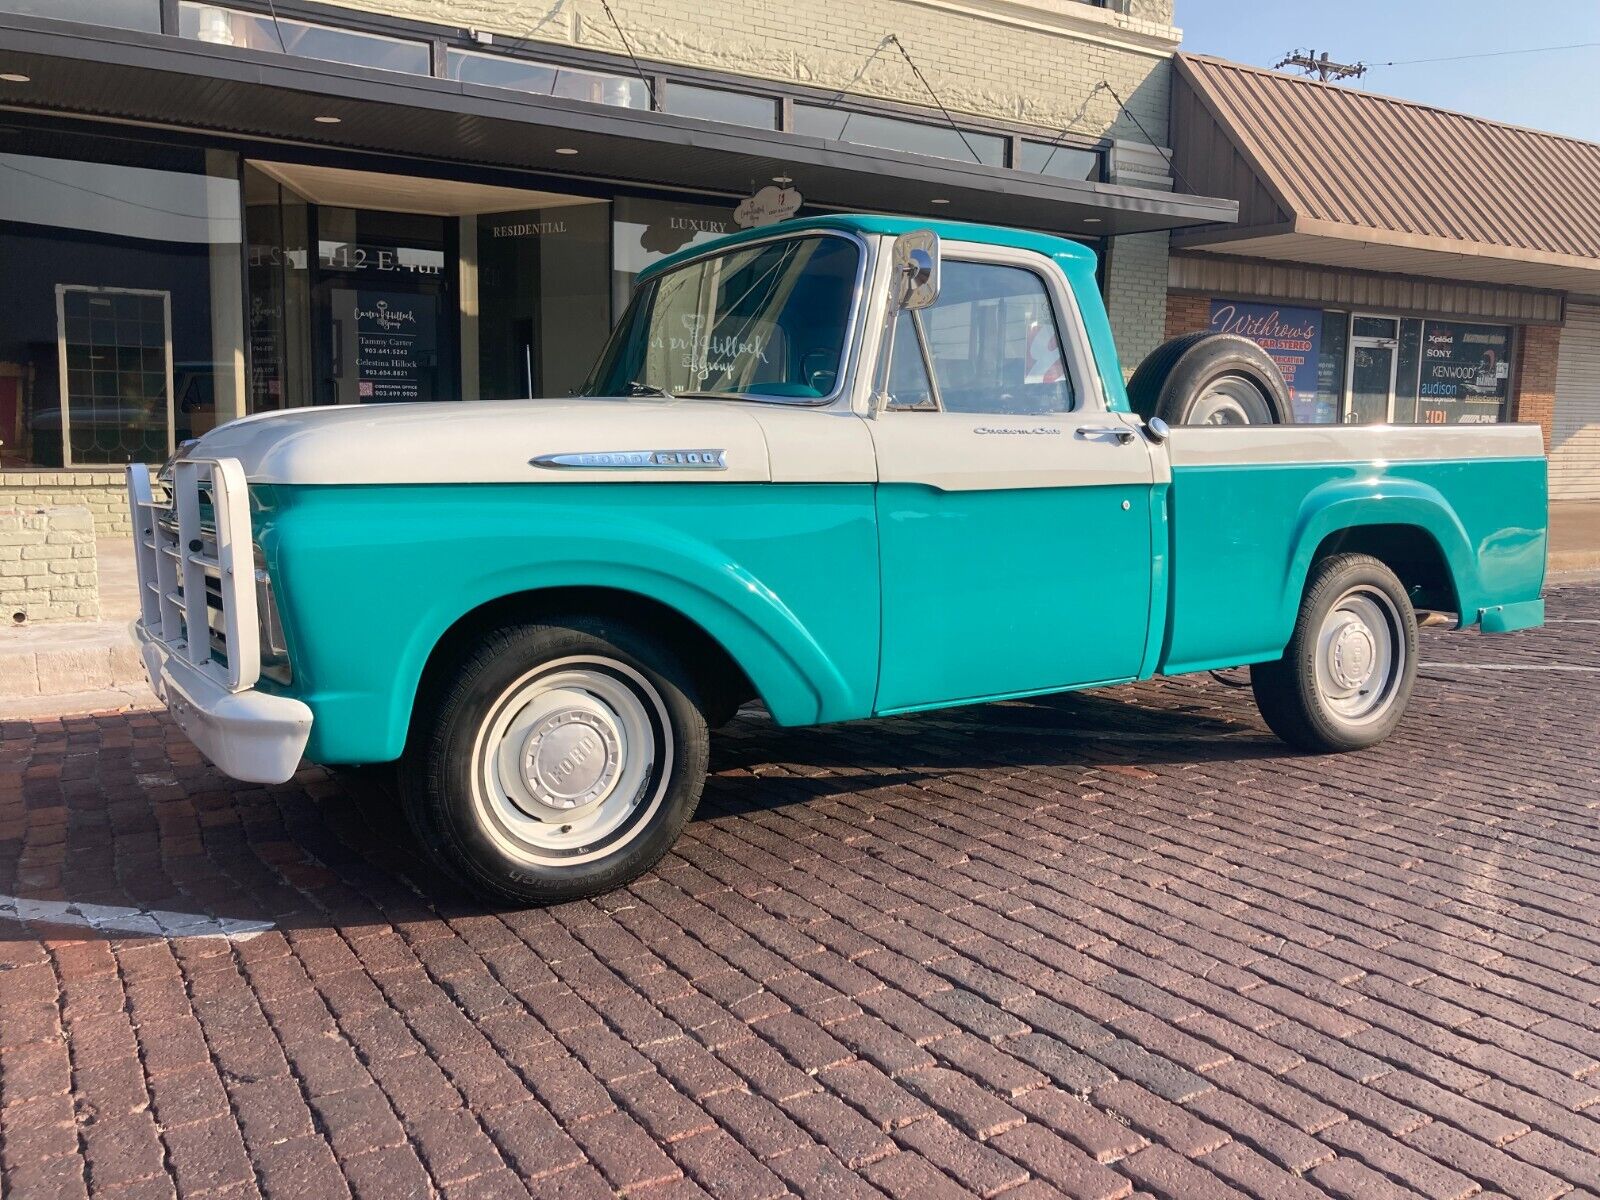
(1211, 379)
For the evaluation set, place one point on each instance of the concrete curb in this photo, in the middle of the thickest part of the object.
(69, 658)
(76, 704)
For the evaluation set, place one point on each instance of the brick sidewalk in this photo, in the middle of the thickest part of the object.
(1097, 945)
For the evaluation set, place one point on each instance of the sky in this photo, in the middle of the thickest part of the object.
(1558, 90)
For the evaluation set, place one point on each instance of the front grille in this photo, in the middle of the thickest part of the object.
(196, 571)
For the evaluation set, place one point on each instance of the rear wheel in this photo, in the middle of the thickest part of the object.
(1345, 679)
(559, 761)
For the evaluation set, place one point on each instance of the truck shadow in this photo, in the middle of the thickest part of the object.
(330, 850)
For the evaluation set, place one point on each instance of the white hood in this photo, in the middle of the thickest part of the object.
(492, 441)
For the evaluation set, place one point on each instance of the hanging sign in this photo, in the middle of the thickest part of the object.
(768, 206)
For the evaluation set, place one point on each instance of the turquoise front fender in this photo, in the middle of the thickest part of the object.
(784, 578)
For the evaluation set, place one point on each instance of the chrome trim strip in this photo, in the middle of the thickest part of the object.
(613, 460)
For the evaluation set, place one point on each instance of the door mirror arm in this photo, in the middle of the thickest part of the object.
(913, 284)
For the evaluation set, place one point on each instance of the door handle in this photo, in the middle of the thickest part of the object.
(1121, 432)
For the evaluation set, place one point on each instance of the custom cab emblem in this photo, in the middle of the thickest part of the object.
(610, 460)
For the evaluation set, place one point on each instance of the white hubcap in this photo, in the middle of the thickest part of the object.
(1231, 401)
(571, 761)
(1360, 655)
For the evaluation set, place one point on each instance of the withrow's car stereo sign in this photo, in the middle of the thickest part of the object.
(1466, 373)
(1292, 336)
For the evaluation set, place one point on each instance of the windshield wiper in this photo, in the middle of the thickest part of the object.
(637, 388)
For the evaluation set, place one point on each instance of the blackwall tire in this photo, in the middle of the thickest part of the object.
(1211, 379)
(557, 761)
(1346, 677)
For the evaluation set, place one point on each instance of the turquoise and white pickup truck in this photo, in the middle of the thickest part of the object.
(848, 466)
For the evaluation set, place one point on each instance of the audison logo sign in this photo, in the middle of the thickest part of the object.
(611, 460)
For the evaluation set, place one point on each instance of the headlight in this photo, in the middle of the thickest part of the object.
(274, 647)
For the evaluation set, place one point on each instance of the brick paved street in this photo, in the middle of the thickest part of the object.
(1095, 946)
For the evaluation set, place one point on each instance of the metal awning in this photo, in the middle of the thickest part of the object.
(90, 71)
(1330, 175)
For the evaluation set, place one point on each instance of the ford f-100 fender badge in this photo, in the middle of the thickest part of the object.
(610, 460)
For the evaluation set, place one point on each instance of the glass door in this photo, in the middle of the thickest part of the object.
(1374, 354)
(384, 296)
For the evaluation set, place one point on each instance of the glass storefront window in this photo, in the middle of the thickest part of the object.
(255, 31)
(543, 305)
(1059, 161)
(144, 15)
(279, 273)
(1465, 373)
(546, 79)
(121, 323)
(895, 133)
(718, 104)
(646, 231)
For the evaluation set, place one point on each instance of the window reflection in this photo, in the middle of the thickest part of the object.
(254, 31)
(1059, 160)
(719, 104)
(893, 133)
(143, 15)
(121, 322)
(544, 79)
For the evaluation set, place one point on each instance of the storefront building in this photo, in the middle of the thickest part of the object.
(209, 210)
(1402, 263)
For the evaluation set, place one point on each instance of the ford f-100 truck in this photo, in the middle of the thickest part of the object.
(848, 466)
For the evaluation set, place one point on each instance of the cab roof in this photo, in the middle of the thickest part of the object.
(960, 231)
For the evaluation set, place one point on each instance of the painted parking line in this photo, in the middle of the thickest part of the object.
(1438, 666)
(108, 918)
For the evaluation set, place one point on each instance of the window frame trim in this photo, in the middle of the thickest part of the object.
(1073, 336)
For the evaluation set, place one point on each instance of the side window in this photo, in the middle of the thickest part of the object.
(908, 387)
(994, 343)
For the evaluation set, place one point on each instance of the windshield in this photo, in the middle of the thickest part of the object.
(767, 320)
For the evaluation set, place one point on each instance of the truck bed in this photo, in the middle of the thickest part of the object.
(1249, 507)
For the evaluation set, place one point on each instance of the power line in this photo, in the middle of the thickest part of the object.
(1407, 62)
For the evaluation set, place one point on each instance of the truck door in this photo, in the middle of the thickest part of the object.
(1013, 509)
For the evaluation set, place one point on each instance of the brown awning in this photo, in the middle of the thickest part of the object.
(274, 98)
(1328, 174)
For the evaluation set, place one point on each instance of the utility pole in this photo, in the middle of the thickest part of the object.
(1309, 62)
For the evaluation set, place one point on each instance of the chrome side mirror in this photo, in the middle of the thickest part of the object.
(916, 269)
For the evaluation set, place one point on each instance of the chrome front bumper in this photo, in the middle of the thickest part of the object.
(250, 735)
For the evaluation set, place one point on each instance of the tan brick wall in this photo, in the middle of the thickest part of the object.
(47, 565)
(1187, 314)
(1136, 295)
(1534, 376)
(1022, 60)
(103, 493)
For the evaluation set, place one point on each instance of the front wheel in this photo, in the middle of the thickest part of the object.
(1346, 677)
(558, 761)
